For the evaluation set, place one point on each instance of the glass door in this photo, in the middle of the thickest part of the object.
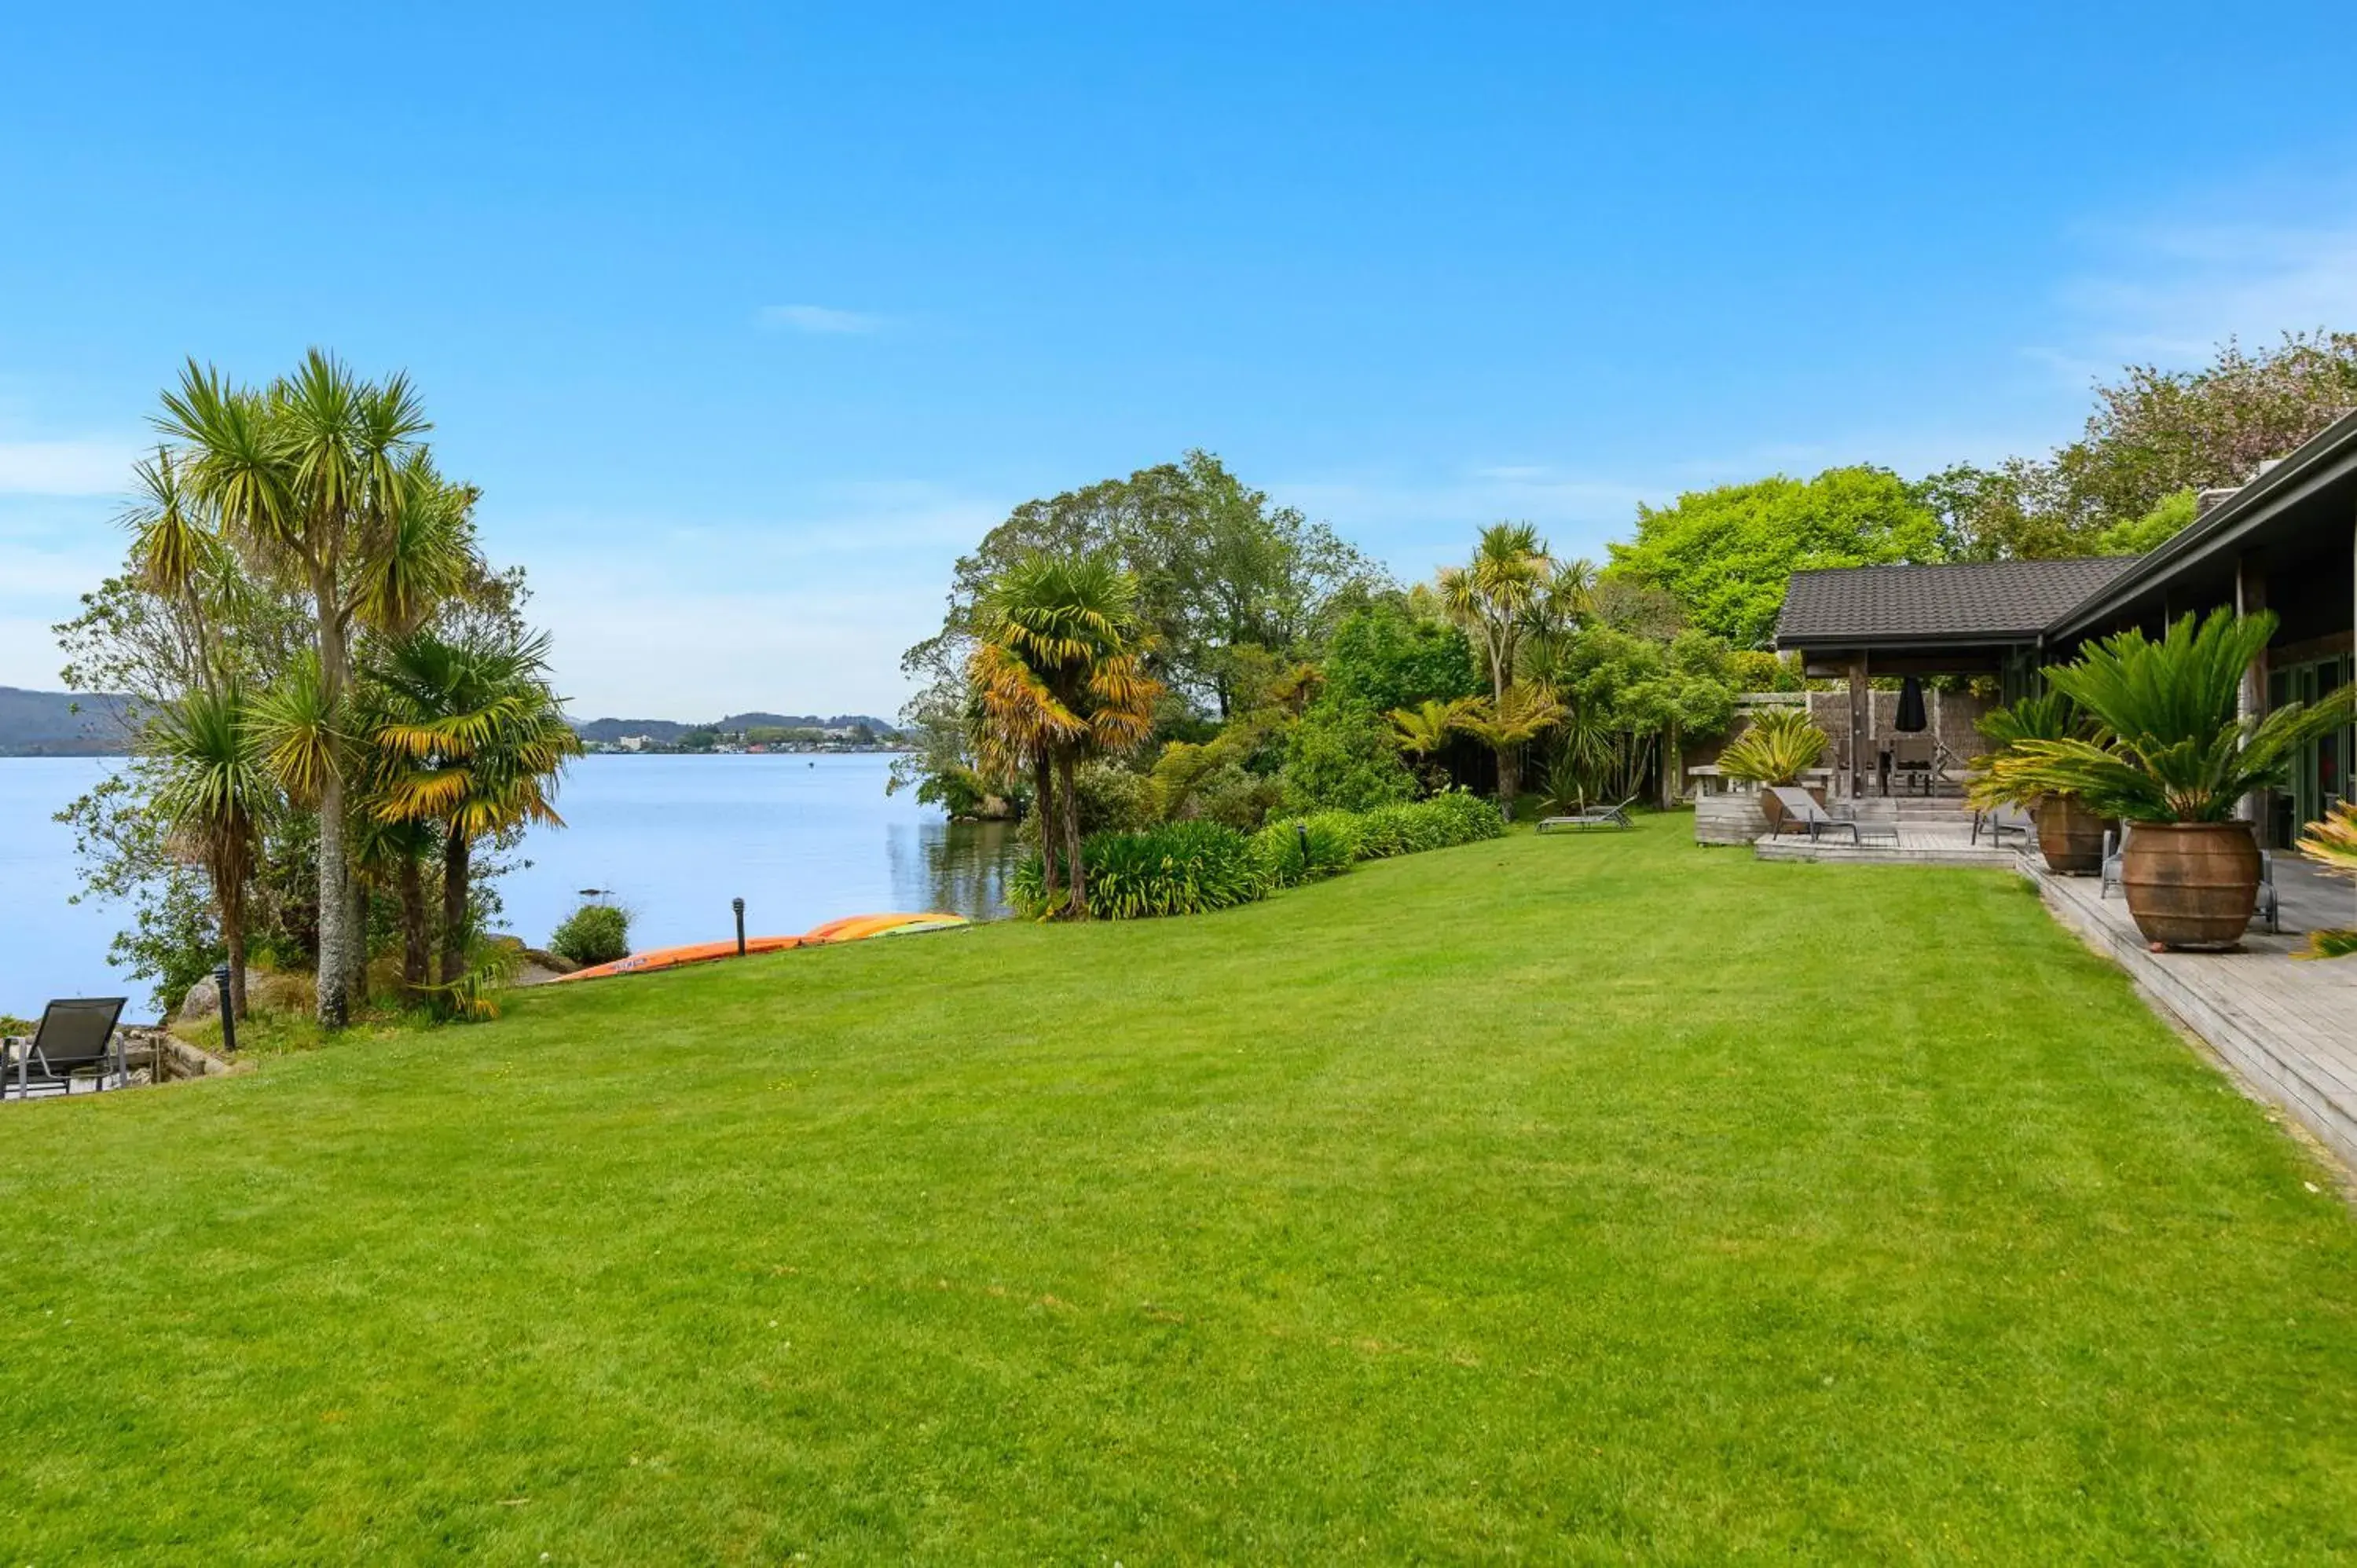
(2319, 775)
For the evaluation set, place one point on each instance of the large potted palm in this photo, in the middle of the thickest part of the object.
(2070, 832)
(2170, 756)
(1779, 746)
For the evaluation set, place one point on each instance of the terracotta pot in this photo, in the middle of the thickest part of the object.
(2071, 836)
(2191, 885)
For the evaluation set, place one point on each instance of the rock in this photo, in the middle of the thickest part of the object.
(265, 993)
(203, 1000)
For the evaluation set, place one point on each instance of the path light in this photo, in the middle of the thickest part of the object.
(229, 1015)
(738, 904)
(1301, 831)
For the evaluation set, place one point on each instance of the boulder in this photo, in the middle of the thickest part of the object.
(265, 993)
(203, 1000)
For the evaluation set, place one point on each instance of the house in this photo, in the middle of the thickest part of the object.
(2286, 542)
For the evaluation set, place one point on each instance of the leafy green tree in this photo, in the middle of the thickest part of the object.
(1506, 724)
(1342, 756)
(2153, 435)
(2172, 515)
(1385, 656)
(1224, 580)
(1519, 606)
(1726, 554)
(1631, 702)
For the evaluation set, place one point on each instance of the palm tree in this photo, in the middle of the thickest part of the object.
(1425, 728)
(395, 855)
(1565, 603)
(1505, 724)
(1511, 590)
(216, 793)
(321, 479)
(465, 735)
(1494, 596)
(1057, 675)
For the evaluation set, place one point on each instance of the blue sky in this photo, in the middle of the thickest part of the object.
(748, 322)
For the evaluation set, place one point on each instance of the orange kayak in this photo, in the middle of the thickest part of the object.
(849, 928)
(672, 958)
(852, 927)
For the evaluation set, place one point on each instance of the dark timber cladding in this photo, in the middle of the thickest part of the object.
(2286, 542)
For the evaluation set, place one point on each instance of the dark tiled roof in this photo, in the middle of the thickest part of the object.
(2000, 600)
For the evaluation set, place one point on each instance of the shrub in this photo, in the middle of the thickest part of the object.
(1332, 841)
(1237, 799)
(595, 933)
(1757, 669)
(1178, 868)
(1112, 799)
(1465, 818)
(1343, 757)
(1388, 831)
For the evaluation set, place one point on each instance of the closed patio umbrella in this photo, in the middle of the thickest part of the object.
(1911, 720)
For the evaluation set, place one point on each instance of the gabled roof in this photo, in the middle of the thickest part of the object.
(1962, 601)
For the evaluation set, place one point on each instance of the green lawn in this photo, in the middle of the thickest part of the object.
(1550, 1198)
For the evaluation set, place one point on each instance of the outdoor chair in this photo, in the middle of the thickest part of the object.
(75, 1044)
(2003, 821)
(1592, 817)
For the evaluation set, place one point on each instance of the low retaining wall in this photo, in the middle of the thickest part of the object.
(168, 1058)
(1729, 819)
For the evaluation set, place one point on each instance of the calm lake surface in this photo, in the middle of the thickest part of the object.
(800, 838)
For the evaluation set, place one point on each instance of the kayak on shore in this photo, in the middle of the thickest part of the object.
(849, 928)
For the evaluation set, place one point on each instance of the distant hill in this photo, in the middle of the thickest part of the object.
(665, 731)
(62, 724)
(803, 721)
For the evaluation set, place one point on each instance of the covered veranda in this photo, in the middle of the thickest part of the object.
(1970, 620)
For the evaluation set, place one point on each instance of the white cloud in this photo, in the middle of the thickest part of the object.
(2171, 290)
(66, 468)
(818, 320)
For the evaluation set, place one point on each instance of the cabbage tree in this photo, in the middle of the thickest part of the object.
(322, 481)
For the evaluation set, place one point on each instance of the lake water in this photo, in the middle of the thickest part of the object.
(800, 838)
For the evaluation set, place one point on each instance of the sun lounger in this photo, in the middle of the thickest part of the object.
(75, 1045)
(1802, 810)
(1592, 817)
(2003, 821)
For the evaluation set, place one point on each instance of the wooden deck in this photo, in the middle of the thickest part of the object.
(1920, 844)
(2287, 1027)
